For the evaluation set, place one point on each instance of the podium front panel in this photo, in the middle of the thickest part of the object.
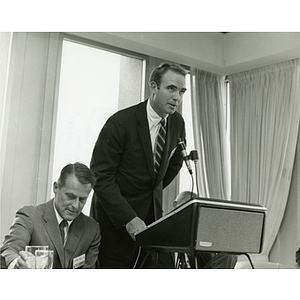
(208, 225)
(176, 232)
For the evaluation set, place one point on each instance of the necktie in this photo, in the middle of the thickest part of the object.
(159, 146)
(62, 226)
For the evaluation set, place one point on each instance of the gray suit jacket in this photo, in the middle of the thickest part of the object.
(37, 225)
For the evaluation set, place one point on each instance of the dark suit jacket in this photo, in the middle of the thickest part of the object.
(123, 163)
(37, 225)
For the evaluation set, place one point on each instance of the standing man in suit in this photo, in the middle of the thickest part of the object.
(129, 177)
(40, 225)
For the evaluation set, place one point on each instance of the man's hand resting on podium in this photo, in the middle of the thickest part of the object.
(134, 226)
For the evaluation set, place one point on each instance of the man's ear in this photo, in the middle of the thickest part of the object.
(55, 187)
(153, 87)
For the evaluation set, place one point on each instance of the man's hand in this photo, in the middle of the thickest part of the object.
(25, 261)
(134, 226)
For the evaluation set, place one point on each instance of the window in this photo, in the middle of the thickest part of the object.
(94, 83)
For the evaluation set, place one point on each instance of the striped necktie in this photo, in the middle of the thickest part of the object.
(62, 227)
(159, 146)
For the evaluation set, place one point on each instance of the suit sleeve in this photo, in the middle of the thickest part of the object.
(106, 157)
(19, 235)
(92, 253)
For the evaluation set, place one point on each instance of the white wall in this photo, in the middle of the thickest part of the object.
(5, 42)
(244, 51)
(27, 126)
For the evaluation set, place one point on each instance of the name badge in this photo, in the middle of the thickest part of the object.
(79, 261)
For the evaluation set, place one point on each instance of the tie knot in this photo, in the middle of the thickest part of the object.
(63, 224)
(163, 122)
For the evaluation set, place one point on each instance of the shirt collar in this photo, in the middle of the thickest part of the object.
(153, 117)
(58, 217)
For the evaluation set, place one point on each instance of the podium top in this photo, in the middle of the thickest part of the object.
(208, 202)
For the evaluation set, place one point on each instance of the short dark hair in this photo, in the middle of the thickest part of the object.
(84, 174)
(157, 73)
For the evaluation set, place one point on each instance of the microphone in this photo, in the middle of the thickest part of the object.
(194, 155)
(185, 155)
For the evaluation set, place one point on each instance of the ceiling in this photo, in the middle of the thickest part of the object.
(222, 53)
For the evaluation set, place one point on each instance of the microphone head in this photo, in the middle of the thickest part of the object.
(194, 155)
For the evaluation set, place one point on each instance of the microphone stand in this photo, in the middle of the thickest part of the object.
(194, 157)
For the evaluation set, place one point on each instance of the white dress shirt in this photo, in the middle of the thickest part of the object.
(154, 124)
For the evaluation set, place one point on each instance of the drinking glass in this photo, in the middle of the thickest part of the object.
(31, 257)
(43, 259)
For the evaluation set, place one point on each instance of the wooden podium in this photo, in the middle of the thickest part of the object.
(207, 225)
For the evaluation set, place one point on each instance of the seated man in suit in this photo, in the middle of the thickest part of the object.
(204, 260)
(76, 244)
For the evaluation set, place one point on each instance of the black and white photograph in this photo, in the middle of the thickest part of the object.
(151, 148)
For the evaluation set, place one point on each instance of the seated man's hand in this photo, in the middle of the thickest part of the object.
(25, 261)
(134, 226)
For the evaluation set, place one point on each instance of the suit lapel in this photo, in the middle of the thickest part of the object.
(74, 236)
(143, 130)
(52, 229)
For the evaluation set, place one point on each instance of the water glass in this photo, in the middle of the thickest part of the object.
(31, 257)
(43, 259)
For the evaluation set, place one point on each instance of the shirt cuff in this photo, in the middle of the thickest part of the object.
(13, 263)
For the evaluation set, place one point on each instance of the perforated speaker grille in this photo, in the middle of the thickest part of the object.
(229, 230)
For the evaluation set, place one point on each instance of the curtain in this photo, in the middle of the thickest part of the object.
(264, 114)
(208, 94)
